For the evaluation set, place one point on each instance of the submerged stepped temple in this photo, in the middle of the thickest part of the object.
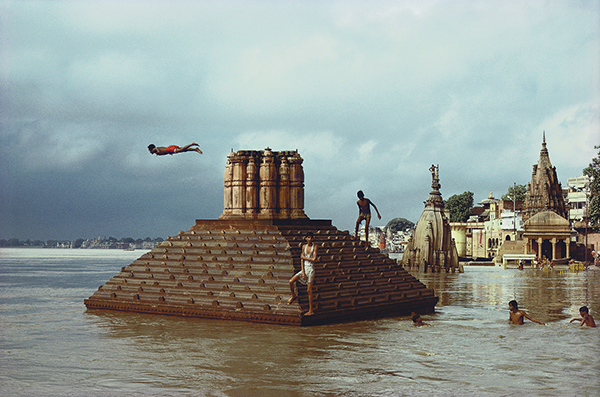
(431, 248)
(238, 267)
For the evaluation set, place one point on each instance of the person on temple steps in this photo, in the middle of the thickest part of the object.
(306, 275)
(364, 212)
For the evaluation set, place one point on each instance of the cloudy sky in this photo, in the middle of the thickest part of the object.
(371, 93)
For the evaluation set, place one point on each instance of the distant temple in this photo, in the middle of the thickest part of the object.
(546, 230)
(544, 192)
(431, 248)
(237, 267)
(547, 227)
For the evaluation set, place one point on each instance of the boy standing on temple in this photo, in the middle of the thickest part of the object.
(364, 212)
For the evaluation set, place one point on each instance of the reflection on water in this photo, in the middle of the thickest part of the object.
(50, 344)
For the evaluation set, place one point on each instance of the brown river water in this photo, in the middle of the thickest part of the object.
(50, 345)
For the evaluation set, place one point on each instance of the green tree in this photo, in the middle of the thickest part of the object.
(399, 224)
(460, 206)
(520, 190)
(593, 172)
(77, 243)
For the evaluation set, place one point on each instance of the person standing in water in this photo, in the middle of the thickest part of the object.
(306, 275)
(418, 321)
(586, 318)
(364, 212)
(516, 316)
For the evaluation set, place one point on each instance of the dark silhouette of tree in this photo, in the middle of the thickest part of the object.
(77, 243)
(521, 191)
(460, 206)
(593, 172)
(399, 224)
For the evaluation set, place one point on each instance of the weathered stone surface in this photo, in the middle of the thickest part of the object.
(547, 229)
(431, 248)
(544, 192)
(240, 270)
(263, 185)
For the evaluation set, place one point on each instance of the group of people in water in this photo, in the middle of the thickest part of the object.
(517, 316)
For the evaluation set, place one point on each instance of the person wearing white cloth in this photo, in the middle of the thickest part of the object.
(306, 275)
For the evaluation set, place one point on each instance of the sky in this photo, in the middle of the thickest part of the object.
(371, 93)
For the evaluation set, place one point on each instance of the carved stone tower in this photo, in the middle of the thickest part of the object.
(263, 185)
(544, 192)
(432, 249)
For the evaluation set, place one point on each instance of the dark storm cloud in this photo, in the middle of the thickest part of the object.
(370, 93)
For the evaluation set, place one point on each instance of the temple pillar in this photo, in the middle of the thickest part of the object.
(252, 207)
(540, 241)
(553, 241)
(284, 189)
(239, 186)
(268, 186)
(427, 244)
(296, 187)
(568, 245)
(228, 187)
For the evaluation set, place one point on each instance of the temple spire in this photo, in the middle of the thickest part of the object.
(544, 191)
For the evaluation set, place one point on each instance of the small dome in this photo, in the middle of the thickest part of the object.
(547, 218)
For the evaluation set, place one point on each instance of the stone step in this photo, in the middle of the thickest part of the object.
(244, 274)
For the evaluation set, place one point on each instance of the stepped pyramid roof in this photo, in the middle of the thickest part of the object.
(239, 270)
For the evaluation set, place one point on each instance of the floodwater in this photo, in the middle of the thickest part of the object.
(51, 345)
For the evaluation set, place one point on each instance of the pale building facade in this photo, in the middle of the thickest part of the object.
(579, 188)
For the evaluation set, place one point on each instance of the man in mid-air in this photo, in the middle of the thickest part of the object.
(161, 150)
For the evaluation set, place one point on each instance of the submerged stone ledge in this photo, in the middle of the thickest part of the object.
(239, 270)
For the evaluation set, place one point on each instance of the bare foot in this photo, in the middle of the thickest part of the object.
(199, 151)
(194, 144)
(309, 313)
(292, 299)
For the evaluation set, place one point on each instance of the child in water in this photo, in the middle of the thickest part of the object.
(586, 318)
(516, 316)
(418, 321)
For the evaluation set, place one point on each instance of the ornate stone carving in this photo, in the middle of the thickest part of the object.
(544, 192)
(431, 248)
(264, 185)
